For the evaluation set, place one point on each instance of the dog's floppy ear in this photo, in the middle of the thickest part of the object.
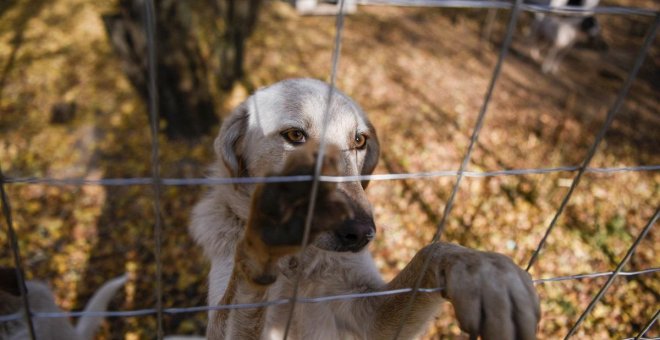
(373, 153)
(229, 143)
(8, 281)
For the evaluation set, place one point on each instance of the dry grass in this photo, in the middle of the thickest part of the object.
(421, 75)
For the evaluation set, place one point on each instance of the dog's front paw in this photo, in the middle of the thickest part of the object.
(492, 297)
(280, 210)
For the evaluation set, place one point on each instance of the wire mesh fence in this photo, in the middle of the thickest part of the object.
(157, 182)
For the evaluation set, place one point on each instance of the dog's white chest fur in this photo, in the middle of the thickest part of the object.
(322, 320)
(324, 273)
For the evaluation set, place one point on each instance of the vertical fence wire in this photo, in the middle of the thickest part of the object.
(155, 163)
(616, 272)
(319, 162)
(20, 277)
(156, 182)
(648, 325)
(601, 135)
(511, 27)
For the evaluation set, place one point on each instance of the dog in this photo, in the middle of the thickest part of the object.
(251, 234)
(40, 299)
(556, 34)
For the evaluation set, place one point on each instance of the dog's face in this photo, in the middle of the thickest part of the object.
(258, 136)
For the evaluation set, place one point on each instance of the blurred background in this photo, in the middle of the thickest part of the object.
(73, 105)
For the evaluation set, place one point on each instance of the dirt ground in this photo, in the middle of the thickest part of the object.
(421, 75)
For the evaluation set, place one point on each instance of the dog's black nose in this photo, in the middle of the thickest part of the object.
(354, 234)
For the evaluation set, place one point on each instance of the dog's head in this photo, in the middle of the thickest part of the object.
(259, 135)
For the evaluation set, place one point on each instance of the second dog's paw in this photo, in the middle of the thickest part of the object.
(282, 208)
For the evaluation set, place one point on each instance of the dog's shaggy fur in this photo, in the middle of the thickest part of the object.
(251, 235)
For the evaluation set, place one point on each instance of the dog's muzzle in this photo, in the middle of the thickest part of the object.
(355, 234)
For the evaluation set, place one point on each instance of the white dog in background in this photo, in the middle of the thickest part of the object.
(41, 299)
(554, 35)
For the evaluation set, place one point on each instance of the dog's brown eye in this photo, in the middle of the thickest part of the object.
(294, 136)
(360, 141)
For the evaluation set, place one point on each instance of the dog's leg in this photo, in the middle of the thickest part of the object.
(275, 229)
(550, 62)
(556, 55)
(493, 298)
(533, 35)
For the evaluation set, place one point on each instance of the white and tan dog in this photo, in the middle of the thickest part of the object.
(251, 235)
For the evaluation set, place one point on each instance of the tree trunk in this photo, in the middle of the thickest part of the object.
(184, 97)
(240, 17)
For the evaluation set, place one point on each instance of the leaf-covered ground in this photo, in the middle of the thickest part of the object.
(421, 74)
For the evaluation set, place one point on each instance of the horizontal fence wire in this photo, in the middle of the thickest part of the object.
(156, 181)
(303, 178)
(320, 299)
(476, 4)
